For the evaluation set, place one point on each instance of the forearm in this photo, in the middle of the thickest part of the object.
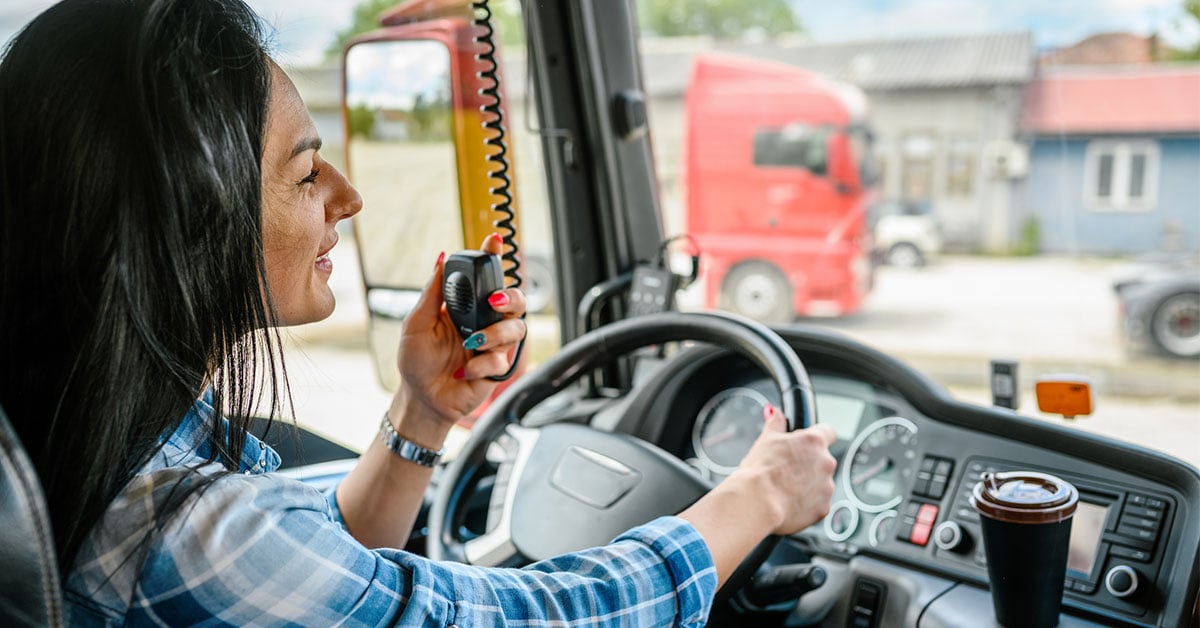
(732, 519)
(380, 498)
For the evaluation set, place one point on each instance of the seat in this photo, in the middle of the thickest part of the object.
(30, 593)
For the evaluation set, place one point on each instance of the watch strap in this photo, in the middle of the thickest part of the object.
(406, 449)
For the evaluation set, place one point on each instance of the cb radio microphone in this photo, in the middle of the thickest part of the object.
(469, 278)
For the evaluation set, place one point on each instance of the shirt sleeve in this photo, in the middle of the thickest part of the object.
(265, 550)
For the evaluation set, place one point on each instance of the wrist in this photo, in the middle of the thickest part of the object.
(758, 498)
(417, 422)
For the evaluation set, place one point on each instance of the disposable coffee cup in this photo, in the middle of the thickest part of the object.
(1026, 520)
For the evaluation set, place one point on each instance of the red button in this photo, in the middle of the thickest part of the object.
(920, 533)
(927, 514)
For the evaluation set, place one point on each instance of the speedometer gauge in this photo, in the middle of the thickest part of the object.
(727, 427)
(879, 463)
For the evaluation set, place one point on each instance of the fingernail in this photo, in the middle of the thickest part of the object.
(474, 341)
(495, 236)
(767, 411)
(440, 259)
(460, 373)
(497, 299)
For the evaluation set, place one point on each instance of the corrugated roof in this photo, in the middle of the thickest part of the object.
(959, 61)
(1130, 99)
(886, 64)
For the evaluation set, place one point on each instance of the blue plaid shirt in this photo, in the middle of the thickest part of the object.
(259, 549)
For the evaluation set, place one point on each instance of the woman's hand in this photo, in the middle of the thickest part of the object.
(441, 379)
(784, 484)
(793, 471)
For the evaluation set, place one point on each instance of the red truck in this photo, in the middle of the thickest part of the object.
(778, 177)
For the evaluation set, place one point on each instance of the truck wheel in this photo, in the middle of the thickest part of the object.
(1175, 326)
(905, 255)
(758, 290)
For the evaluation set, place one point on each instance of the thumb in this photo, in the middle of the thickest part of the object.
(429, 306)
(773, 420)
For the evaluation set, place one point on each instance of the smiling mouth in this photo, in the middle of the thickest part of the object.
(323, 263)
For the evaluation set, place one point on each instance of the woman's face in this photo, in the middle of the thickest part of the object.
(303, 199)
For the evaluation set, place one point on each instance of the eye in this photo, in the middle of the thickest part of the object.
(312, 176)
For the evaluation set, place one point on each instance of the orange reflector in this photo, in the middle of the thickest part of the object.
(1068, 395)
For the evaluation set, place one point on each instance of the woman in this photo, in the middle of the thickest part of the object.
(164, 208)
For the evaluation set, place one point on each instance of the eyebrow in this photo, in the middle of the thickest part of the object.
(310, 143)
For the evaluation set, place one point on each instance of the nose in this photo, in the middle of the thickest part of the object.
(345, 200)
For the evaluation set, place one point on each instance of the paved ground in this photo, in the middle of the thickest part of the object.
(923, 316)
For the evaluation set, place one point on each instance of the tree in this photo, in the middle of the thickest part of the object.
(366, 18)
(1191, 10)
(723, 19)
(506, 18)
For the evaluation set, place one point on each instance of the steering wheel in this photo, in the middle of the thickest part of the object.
(564, 487)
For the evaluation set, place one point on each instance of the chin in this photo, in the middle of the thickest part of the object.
(311, 313)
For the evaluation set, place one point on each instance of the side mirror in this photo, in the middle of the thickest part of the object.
(400, 154)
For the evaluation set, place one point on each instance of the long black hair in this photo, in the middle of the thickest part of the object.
(131, 263)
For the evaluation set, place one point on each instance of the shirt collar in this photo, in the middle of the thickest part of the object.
(189, 442)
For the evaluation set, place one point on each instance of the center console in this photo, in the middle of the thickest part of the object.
(1116, 551)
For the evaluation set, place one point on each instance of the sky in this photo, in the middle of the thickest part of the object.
(303, 28)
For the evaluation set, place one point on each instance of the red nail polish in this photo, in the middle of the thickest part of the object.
(460, 373)
(495, 236)
(497, 299)
(767, 411)
(440, 259)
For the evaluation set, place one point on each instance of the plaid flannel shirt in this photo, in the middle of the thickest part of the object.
(258, 549)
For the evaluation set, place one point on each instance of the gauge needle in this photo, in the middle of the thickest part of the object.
(871, 471)
(720, 437)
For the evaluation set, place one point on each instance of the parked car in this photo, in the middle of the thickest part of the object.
(1160, 304)
(907, 234)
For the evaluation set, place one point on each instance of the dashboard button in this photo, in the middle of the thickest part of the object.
(943, 468)
(927, 514)
(949, 536)
(928, 463)
(1121, 581)
(1136, 500)
(920, 533)
(1141, 534)
(1154, 502)
(967, 514)
(1142, 511)
(1120, 551)
(1140, 522)
(937, 488)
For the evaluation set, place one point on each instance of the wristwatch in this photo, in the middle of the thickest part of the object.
(405, 448)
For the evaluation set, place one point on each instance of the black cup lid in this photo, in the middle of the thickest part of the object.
(1024, 497)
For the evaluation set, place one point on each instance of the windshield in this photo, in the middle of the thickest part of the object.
(1028, 186)
(953, 183)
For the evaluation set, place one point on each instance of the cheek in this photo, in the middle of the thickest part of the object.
(290, 238)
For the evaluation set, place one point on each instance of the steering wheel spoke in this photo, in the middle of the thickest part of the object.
(495, 546)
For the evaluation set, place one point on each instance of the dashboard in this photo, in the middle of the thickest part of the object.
(901, 541)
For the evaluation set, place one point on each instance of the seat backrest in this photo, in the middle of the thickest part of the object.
(30, 594)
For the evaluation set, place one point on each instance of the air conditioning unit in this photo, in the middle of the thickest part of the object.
(1005, 159)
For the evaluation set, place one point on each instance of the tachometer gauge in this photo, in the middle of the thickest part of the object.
(879, 463)
(726, 428)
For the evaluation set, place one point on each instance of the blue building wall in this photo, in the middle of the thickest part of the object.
(1053, 193)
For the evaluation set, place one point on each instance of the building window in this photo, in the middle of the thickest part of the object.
(960, 166)
(916, 165)
(1121, 175)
